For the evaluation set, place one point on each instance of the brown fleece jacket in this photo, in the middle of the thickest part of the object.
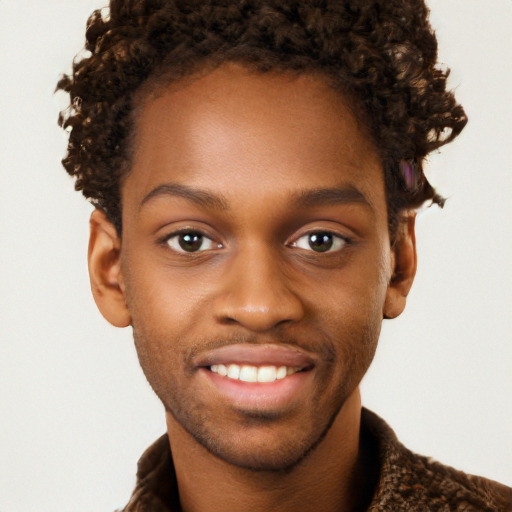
(404, 481)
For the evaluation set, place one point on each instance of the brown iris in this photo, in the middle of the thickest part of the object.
(320, 242)
(191, 241)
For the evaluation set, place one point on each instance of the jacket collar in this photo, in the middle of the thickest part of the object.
(400, 480)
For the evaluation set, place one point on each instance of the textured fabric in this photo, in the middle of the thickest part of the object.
(404, 481)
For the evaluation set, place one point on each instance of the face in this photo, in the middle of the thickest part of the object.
(255, 262)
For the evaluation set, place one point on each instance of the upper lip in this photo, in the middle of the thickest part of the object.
(255, 354)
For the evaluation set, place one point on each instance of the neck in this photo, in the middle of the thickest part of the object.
(328, 479)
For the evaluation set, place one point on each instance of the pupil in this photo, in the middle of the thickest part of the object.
(191, 241)
(320, 242)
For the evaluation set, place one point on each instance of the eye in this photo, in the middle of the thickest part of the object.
(190, 241)
(320, 241)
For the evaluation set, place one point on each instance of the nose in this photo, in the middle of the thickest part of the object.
(256, 293)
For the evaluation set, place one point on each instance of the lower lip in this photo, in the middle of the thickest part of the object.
(259, 395)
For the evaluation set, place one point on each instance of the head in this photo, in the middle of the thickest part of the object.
(251, 167)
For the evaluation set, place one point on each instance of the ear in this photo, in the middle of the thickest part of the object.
(404, 262)
(105, 270)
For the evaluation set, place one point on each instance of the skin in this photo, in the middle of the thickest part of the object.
(246, 159)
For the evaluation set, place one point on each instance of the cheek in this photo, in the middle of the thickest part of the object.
(163, 317)
(352, 307)
(163, 303)
(356, 293)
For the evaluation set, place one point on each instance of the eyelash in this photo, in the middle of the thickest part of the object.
(322, 237)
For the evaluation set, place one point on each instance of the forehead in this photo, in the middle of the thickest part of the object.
(236, 132)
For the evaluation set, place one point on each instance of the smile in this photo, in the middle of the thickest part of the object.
(249, 373)
(257, 377)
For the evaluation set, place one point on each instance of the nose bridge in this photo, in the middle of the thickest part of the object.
(256, 292)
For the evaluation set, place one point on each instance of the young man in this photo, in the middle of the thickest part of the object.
(255, 167)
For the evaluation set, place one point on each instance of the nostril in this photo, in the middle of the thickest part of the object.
(284, 321)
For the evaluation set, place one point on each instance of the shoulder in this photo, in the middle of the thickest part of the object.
(412, 482)
(425, 482)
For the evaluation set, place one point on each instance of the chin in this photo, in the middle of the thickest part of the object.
(277, 457)
(260, 443)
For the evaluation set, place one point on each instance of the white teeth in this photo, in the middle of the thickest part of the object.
(248, 373)
(234, 371)
(281, 372)
(267, 374)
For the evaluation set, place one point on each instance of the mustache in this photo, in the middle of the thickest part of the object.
(321, 347)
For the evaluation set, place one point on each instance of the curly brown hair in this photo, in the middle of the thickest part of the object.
(382, 53)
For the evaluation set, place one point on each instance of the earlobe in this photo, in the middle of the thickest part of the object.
(404, 261)
(105, 270)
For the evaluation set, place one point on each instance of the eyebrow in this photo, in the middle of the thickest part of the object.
(308, 198)
(332, 196)
(197, 196)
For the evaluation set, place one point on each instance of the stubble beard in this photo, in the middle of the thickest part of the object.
(289, 453)
(229, 442)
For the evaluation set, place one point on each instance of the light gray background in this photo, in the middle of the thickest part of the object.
(76, 411)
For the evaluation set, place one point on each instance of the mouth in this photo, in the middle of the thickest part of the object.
(257, 377)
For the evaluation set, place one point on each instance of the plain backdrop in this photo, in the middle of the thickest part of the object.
(75, 409)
